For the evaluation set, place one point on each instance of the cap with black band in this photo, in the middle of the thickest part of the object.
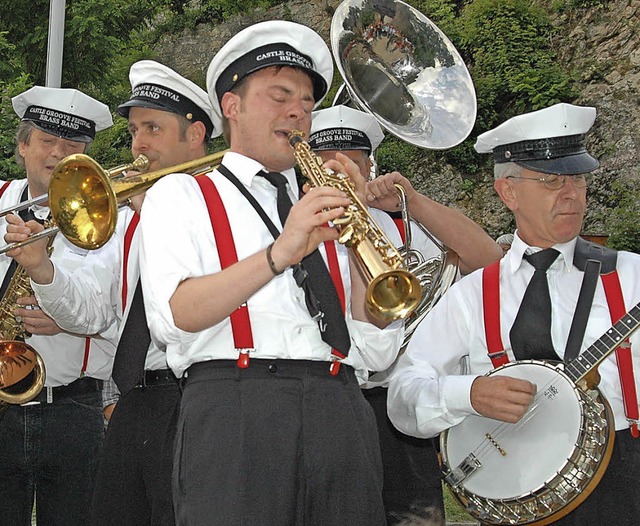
(550, 141)
(158, 87)
(63, 112)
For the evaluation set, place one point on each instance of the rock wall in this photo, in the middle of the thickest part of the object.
(600, 44)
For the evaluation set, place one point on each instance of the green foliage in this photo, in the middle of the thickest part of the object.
(181, 15)
(512, 64)
(622, 220)
(396, 155)
(8, 123)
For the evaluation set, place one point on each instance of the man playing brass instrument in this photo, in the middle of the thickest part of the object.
(51, 445)
(170, 122)
(412, 482)
(273, 427)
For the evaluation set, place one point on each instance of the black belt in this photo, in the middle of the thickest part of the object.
(265, 368)
(157, 377)
(81, 386)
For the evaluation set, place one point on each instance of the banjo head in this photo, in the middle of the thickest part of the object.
(519, 458)
(539, 469)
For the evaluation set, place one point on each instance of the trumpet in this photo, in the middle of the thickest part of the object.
(84, 198)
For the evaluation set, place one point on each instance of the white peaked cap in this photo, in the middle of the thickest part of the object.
(272, 43)
(156, 86)
(63, 112)
(551, 140)
(344, 128)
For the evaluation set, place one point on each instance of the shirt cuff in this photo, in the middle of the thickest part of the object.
(456, 393)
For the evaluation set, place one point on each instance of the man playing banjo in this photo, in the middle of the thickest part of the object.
(512, 312)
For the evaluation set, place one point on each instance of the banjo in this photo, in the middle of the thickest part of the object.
(489, 466)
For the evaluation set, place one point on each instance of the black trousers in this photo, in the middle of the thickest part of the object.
(412, 488)
(50, 452)
(279, 443)
(616, 499)
(134, 478)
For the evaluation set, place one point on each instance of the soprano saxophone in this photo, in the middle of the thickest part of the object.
(17, 358)
(392, 291)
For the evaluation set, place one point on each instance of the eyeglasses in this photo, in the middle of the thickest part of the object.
(555, 182)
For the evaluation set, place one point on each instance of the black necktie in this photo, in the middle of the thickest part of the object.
(531, 332)
(128, 365)
(314, 278)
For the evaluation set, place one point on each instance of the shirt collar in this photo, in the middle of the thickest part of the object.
(245, 169)
(519, 248)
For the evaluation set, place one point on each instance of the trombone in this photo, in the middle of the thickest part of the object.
(84, 198)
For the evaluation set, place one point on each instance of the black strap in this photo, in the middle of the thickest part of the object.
(26, 215)
(592, 259)
(311, 274)
(586, 250)
(583, 307)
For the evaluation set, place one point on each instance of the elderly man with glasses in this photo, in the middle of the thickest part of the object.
(550, 298)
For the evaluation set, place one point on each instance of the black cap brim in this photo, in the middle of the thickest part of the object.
(580, 163)
(63, 133)
(123, 109)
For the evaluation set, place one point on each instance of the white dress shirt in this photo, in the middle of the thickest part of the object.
(429, 390)
(180, 245)
(74, 304)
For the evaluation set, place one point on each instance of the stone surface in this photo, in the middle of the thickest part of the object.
(601, 44)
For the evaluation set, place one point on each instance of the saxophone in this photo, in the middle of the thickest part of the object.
(392, 291)
(17, 358)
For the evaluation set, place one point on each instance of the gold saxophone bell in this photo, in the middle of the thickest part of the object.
(392, 291)
(17, 360)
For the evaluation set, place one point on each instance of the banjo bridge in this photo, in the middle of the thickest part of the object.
(467, 467)
(495, 444)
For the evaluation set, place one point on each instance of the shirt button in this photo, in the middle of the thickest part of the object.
(273, 368)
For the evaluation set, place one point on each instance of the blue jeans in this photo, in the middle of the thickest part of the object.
(50, 452)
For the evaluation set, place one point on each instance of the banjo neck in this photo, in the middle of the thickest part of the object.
(588, 360)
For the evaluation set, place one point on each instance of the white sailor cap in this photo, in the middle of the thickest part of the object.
(343, 128)
(63, 112)
(156, 86)
(550, 141)
(273, 43)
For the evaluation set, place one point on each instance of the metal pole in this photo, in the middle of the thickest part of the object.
(55, 43)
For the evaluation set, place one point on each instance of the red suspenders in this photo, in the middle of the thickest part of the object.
(4, 187)
(128, 238)
(615, 300)
(240, 320)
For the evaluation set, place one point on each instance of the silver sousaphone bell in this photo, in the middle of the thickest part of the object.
(398, 66)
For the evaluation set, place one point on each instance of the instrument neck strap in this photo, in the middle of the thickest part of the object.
(615, 300)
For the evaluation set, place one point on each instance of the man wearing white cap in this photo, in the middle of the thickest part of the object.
(412, 481)
(516, 310)
(171, 122)
(273, 427)
(51, 445)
